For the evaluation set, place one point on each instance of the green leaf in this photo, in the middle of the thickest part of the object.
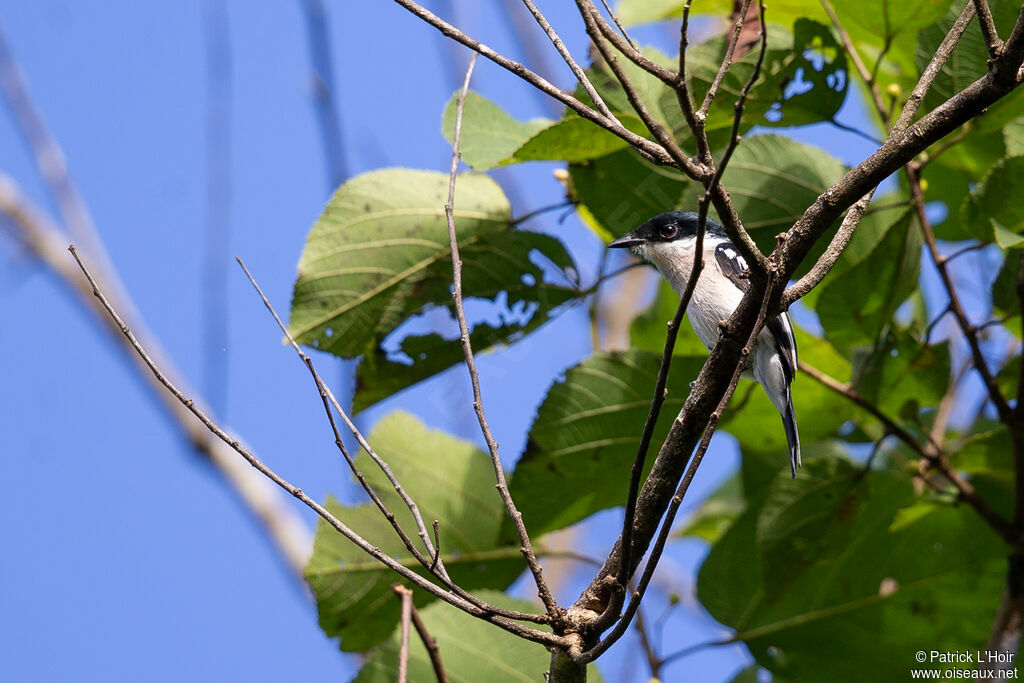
(716, 512)
(1005, 301)
(622, 190)
(840, 571)
(855, 305)
(988, 453)
(886, 18)
(902, 371)
(352, 589)
(379, 258)
(1014, 136)
(583, 443)
(472, 650)
(575, 139)
(992, 211)
(1009, 376)
(489, 136)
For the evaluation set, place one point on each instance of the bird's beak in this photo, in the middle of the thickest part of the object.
(627, 240)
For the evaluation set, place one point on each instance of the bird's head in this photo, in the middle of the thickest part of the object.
(667, 238)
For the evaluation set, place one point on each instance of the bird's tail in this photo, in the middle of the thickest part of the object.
(792, 435)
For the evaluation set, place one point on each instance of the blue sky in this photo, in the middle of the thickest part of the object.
(126, 558)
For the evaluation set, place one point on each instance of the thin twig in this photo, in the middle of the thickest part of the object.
(618, 24)
(286, 530)
(580, 75)
(702, 113)
(478, 406)
(385, 559)
(437, 546)
(430, 643)
(356, 472)
(654, 662)
(969, 331)
(405, 596)
(988, 28)
(682, 90)
(663, 136)
(435, 564)
(648, 148)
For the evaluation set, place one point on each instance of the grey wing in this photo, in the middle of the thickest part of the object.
(733, 266)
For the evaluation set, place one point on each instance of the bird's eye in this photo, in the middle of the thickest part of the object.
(668, 231)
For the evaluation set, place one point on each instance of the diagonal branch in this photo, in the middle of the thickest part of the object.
(357, 540)
(988, 28)
(649, 149)
(580, 75)
(478, 406)
(663, 136)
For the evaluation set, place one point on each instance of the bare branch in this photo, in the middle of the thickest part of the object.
(283, 526)
(988, 28)
(910, 109)
(831, 254)
(324, 92)
(580, 75)
(385, 559)
(702, 113)
(405, 596)
(970, 332)
(649, 149)
(478, 406)
(663, 136)
(430, 643)
(683, 90)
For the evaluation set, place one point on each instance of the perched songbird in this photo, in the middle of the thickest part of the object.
(669, 241)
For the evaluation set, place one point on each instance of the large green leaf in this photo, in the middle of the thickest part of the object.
(993, 212)
(813, 572)
(583, 443)
(857, 303)
(886, 18)
(489, 135)
(575, 139)
(622, 190)
(472, 650)
(379, 257)
(451, 481)
(901, 375)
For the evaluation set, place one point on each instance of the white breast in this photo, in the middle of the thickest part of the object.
(714, 297)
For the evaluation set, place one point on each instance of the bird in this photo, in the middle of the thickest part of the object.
(668, 241)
